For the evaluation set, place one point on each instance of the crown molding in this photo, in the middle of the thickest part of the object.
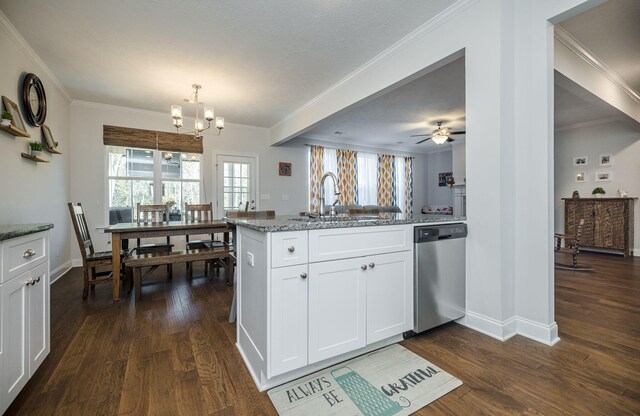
(443, 17)
(13, 33)
(586, 55)
(589, 123)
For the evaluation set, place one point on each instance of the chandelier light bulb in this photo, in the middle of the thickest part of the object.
(176, 111)
(208, 113)
(219, 123)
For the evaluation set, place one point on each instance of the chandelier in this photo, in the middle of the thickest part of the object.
(207, 115)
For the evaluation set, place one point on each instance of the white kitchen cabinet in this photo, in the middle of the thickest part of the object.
(24, 312)
(289, 311)
(337, 308)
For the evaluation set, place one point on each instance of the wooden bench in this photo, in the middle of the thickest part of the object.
(153, 260)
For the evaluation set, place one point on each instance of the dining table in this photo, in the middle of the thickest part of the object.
(122, 232)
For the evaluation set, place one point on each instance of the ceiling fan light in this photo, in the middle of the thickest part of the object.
(439, 138)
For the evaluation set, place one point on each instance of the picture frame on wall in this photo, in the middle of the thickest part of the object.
(604, 176)
(606, 160)
(581, 177)
(284, 168)
(443, 178)
(580, 161)
(17, 122)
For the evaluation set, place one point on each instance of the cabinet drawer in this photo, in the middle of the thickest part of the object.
(289, 248)
(22, 253)
(342, 243)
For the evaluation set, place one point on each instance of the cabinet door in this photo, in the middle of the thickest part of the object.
(389, 295)
(15, 316)
(38, 317)
(288, 319)
(609, 225)
(337, 308)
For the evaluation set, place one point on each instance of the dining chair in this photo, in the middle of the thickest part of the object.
(91, 259)
(154, 214)
(571, 246)
(195, 213)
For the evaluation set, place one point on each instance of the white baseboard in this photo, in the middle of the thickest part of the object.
(501, 330)
(60, 271)
(546, 334)
(76, 262)
(636, 252)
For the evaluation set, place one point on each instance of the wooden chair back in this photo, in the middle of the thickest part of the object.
(81, 228)
(198, 212)
(149, 214)
(251, 215)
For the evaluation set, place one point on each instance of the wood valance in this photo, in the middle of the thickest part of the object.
(150, 139)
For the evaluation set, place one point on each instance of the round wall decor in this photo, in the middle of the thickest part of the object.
(34, 100)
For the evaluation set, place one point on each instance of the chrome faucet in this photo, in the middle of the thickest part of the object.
(332, 212)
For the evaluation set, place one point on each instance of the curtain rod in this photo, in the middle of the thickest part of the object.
(338, 148)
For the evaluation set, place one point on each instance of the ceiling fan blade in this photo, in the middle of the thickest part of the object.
(422, 141)
(420, 135)
(457, 132)
(449, 140)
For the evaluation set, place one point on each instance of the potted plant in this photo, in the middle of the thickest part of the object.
(598, 192)
(35, 147)
(7, 118)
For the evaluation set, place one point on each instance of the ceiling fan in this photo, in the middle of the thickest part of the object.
(440, 135)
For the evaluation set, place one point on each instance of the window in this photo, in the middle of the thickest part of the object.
(139, 176)
(236, 184)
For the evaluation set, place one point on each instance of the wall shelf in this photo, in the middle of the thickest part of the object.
(34, 158)
(14, 131)
(52, 150)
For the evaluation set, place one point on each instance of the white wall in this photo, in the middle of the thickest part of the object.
(34, 192)
(438, 162)
(592, 141)
(88, 164)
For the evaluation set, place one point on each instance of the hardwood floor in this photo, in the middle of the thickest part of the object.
(173, 353)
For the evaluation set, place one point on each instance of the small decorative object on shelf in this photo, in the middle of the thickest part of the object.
(7, 118)
(598, 192)
(451, 181)
(576, 195)
(622, 193)
(35, 148)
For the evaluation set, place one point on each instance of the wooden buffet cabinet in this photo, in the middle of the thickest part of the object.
(608, 222)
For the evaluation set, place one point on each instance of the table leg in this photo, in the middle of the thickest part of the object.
(115, 256)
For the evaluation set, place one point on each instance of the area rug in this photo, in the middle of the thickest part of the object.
(389, 381)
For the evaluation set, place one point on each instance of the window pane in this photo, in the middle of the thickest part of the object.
(139, 163)
(117, 161)
(142, 192)
(119, 193)
(171, 193)
(190, 166)
(171, 165)
(191, 192)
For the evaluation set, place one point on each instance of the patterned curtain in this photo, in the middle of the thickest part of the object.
(408, 190)
(386, 180)
(315, 176)
(348, 176)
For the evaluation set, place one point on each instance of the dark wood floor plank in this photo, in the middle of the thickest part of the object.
(174, 353)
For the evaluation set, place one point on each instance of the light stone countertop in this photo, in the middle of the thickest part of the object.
(294, 223)
(8, 231)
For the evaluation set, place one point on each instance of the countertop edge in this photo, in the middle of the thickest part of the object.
(9, 231)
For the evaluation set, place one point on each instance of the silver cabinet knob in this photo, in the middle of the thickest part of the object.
(372, 265)
(36, 281)
(363, 267)
(291, 249)
(303, 275)
(30, 282)
(29, 253)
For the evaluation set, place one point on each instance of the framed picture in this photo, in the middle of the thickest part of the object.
(581, 177)
(17, 121)
(606, 160)
(284, 169)
(48, 137)
(443, 178)
(604, 176)
(580, 161)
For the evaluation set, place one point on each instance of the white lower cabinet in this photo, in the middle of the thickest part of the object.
(289, 319)
(24, 323)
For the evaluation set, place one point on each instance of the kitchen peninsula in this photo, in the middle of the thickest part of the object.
(313, 291)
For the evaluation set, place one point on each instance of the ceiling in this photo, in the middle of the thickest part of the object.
(258, 60)
(611, 32)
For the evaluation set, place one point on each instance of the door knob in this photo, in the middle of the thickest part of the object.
(372, 265)
(363, 267)
(291, 249)
(303, 275)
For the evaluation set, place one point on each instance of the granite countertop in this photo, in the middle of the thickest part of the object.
(294, 223)
(8, 231)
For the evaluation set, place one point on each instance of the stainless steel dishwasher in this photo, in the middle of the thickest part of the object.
(439, 285)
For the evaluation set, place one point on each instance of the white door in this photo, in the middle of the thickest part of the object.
(236, 182)
(15, 338)
(337, 308)
(38, 318)
(288, 319)
(389, 295)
